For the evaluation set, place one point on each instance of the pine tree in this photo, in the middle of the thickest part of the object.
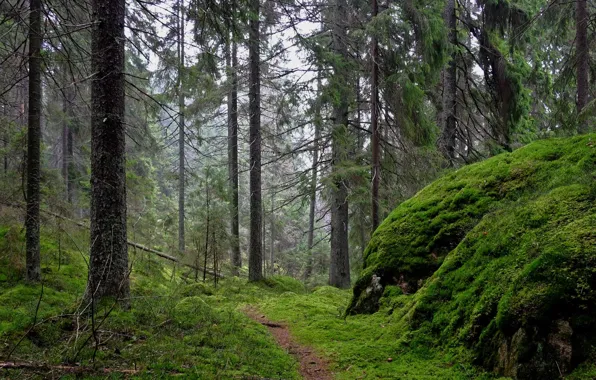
(339, 269)
(232, 64)
(581, 45)
(108, 264)
(34, 143)
(255, 262)
(181, 129)
(374, 119)
(448, 116)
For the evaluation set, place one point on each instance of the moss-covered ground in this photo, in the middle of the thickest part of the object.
(173, 327)
(193, 329)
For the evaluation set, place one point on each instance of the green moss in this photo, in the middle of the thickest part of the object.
(194, 330)
(361, 346)
(501, 247)
(197, 289)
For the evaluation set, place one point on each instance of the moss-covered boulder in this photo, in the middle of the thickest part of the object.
(499, 257)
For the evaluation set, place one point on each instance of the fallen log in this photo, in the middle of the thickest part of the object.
(63, 368)
(130, 243)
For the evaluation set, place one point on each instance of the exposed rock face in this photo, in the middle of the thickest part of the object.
(535, 355)
(560, 341)
(368, 302)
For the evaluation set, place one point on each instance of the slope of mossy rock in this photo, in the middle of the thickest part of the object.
(501, 258)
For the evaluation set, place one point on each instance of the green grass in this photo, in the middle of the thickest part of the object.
(171, 328)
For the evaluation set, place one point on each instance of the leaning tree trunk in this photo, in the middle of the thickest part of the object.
(448, 130)
(181, 106)
(581, 40)
(108, 265)
(255, 262)
(339, 269)
(33, 143)
(374, 122)
(233, 160)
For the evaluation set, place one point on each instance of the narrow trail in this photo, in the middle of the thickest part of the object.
(312, 367)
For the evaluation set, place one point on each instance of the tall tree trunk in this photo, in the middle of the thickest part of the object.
(67, 138)
(448, 127)
(33, 143)
(233, 160)
(339, 269)
(181, 106)
(581, 40)
(108, 266)
(374, 104)
(313, 182)
(361, 210)
(255, 262)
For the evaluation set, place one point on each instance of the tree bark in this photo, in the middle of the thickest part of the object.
(33, 144)
(255, 264)
(339, 269)
(108, 265)
(236, 258)
(581, 41)
(181, 106)
(448, 130)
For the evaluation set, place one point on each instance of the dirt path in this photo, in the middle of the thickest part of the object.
(312, 367)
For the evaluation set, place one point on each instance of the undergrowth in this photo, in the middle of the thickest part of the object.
(173, 327)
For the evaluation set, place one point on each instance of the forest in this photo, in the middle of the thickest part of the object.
(297, 189)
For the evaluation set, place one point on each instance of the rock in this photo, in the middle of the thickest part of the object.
(559, 341)
(536, 354)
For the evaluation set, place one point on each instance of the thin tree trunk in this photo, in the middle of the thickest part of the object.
(214, 253)
(448, 130)
(313, 183)
(255, 264)
(33, 144)
(181, 106)
(233, 161)
(339, 269)
(581, 38)
(108, 264)
(6, 152)
(207, 228)
(361, 211)
(376, 156)
(67, 139)
(272, 234)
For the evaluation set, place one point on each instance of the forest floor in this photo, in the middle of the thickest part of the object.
(199, 330)
(312, 366)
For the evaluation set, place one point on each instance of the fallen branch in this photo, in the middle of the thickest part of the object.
(63, 368)
(131, 243)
